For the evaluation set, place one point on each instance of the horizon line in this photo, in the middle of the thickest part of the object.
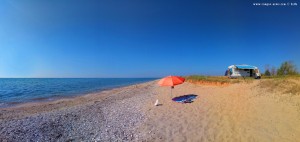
(69, 77)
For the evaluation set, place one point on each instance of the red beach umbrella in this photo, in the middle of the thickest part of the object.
(171, 81)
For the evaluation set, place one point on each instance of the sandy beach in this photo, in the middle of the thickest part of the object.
(236, 112)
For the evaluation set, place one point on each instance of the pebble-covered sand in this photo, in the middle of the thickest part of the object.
(106, 116)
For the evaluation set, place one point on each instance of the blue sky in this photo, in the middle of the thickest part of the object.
(142, 38)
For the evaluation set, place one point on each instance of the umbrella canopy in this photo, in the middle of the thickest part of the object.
(171, 81)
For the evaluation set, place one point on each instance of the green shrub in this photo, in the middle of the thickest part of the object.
(267, 73)
(287, 68)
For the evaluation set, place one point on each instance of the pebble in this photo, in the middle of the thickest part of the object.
(113, 119)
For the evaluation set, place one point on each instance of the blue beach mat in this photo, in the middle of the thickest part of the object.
(185, 98)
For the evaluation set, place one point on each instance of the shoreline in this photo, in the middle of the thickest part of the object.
(56, 98)
(31, 108)
(83, 118)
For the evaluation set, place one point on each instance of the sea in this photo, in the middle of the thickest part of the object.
(14, 91)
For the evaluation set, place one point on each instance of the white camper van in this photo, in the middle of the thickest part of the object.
(235, 71)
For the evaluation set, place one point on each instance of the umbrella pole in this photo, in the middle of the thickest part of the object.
(171, 90)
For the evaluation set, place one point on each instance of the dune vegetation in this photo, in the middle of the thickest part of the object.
(217, 79)
(283, 84)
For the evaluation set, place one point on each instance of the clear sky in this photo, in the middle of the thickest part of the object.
(143, 38)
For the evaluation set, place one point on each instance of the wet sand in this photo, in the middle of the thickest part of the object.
(238, 112)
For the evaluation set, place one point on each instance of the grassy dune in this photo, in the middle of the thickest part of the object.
(217, 79)
(282, 77)
(285, 85)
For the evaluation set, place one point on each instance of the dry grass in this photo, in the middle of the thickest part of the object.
(284, 85)
(294, 90)
(220, 79)
(282, 77)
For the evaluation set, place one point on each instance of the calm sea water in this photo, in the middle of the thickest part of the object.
(19, 90)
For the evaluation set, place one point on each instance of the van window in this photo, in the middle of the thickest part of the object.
(226, 73)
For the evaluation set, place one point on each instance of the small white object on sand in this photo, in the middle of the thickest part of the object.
(156, 102)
